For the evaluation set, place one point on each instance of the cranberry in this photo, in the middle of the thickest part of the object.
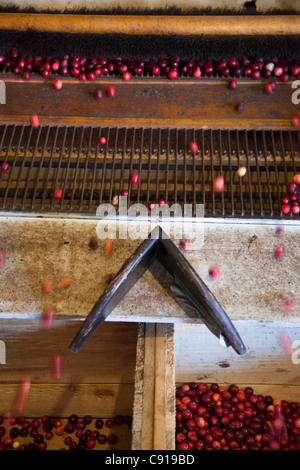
(285, 208)
(102, 439)
(34, 121)
(268, 88)
(26, 75)
(58, 84)
(91, 443)
(110, 91)
(214, 272)
(295, 209)
(109, 423)
(279, 252)
(134, 178)
(291, 188)
(218, 184)
(255, 74)
(193, 147)
(69, 428)
(112, 439)
(197, 73)
(99, 94)
(296, 121)
(184, 244)
(58, 193)
(126, 76)
(239, 107)
(172, 74)
(284, 77)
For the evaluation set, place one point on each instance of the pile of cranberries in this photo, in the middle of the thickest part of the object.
(212, 418)
(85, 68)
(76, 433)
(290, 202)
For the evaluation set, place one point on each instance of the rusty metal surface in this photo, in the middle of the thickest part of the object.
(91, 174)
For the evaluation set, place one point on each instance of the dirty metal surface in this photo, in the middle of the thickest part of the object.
(249, 288)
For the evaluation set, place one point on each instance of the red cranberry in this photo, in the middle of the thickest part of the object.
(172, 74)
(296, 121)
(285, 208)
(34, 121)
(193, 147)
(295, 209)
(58, 84)
(58, 193)
(214, 272)
(279, 252)
(109, 423)
(91, 443)
(232, 84)
(134, 178)
(284, 77)
(5, 166)
(219, 184)
(126, 76)
(110, 91)
(102, 439)
(239, 107)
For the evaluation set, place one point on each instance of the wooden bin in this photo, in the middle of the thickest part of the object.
(97, 381)
(182, 353)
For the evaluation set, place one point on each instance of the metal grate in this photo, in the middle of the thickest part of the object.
(90, 174)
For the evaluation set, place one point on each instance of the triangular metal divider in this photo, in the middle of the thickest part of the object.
(191, 287)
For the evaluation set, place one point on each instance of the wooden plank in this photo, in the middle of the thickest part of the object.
(152, 102)
(108, 357)
(62, 400)
(159, 419)
(141, 25)
(265, 362)
(154, 405)
(148, 388)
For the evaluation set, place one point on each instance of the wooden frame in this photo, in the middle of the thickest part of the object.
(142, 25)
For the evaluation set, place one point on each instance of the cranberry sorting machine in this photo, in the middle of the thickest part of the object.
(148, 127)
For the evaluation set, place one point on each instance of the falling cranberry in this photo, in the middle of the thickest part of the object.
(2, 258)
(5, 166)
(110, 91)
(279, 252)
(296, 121)
(219, 184)
(58, 84)
(291, 188)
(47, 317)
(134, 178)
(34, 121)
(184, 244)
(193, 147)
(99, 94)
(214, 272)
(58, 193)
(126, 76)
(93, 244)
(239, 107)
(108, 246)
(296, 179)
(268, 88)
(56, 366)
(102, 140)
(46, 287)
(232, 85)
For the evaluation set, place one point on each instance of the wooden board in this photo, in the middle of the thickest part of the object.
(148, 102)
(61, 400)
(154, 405)
(166, 25)
(265, 364)
(107, 358)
